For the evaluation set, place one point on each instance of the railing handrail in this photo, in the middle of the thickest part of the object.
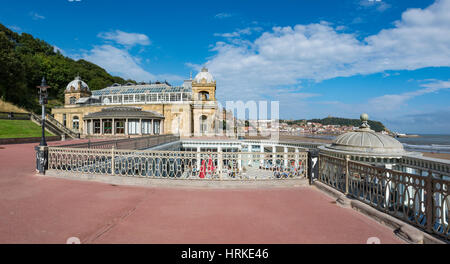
(56, 124)
(68, 131)
(143, 151)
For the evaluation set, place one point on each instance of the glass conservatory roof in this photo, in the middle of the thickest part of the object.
(141, 89)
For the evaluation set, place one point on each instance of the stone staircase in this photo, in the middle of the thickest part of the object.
(53, 126)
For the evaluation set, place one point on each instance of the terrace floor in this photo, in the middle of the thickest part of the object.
(36, 209)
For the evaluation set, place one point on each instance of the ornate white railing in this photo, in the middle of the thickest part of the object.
(179, 164)
(421, 200)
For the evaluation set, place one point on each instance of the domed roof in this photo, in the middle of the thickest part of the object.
(77, 85)
(367, 141)
(204, 75)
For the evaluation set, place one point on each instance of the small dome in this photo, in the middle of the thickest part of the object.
(204, 76)
(365, 140)
(77, 85)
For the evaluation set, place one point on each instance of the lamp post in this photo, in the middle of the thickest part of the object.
(43, 100)
(42, 149)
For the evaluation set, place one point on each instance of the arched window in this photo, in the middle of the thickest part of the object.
(75, 123)
(203, 124)
(203, 96)
(73, 100)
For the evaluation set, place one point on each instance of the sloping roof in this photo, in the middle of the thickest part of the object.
(124, 112)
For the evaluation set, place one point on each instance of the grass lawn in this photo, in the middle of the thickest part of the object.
(20, 129)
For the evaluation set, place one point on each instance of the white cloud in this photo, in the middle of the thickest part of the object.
(223, 15)
(56, 49)
(239, 32)
(36, 16)
(126, 39)
(15, 28)
(286, 55)
(427, 122)
(380, 5)
(393, 101)
(117, 58)
(118, 61)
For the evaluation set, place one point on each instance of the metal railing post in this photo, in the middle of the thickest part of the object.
(220, 162)
(347, 159)
(112, 161)
(312, 154)
(429, 201)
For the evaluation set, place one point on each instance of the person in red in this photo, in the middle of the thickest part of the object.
(203, 169)
(211, 167)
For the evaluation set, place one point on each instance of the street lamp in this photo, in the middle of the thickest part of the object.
(43, 100)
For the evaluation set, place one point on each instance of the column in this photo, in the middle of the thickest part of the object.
(101, 126)
(296, 158)
(126, 126)
(240, 164)
(286, 163)
(261, 159)
(274, 160)
(250, 158)
(161, 127)
(152, 132)
(219, 161)
(198, 159)
(113, 127)
(140, 126)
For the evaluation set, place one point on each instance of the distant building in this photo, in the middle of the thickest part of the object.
(140, 109)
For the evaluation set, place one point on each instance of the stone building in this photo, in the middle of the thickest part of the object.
(144, 108)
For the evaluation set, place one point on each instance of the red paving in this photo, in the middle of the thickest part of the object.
(36, 209)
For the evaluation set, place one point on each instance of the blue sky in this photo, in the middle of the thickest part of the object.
(388, 58)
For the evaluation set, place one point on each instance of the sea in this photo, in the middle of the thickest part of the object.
(424, 143)
(427, 143)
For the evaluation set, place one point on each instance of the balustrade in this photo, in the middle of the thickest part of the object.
(419, 199)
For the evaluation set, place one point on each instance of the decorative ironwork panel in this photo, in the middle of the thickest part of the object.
(332, 171)
(396, 193)
(180, 164)
(79, 160)
(420, 199)
(441, 208)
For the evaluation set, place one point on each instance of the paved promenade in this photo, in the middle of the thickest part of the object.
(36, 209)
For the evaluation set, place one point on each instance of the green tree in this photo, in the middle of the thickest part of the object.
(25, 59)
